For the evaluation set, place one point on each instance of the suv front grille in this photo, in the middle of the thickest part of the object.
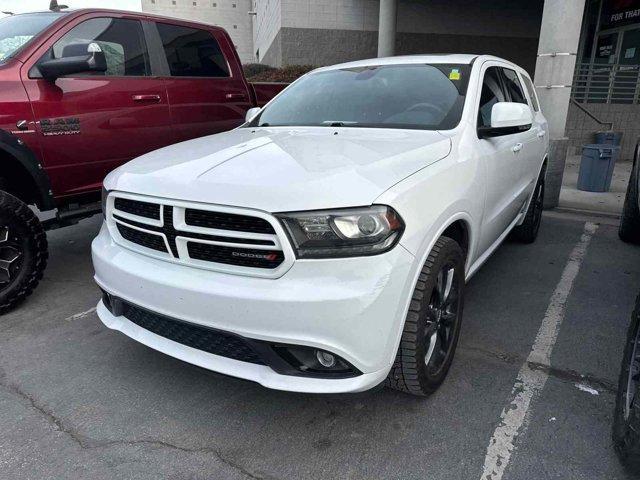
(195, 336)
(136, 207)
(227, 221)
(149, 240)
(232, 256)
(206, 238)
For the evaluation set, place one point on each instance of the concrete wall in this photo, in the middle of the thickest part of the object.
(322, 32)
(232, 15)
(266, 27)
(581, 128)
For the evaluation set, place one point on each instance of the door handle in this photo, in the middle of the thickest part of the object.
(541, 133)
(146, 98)
(516, 148)
(235, 96)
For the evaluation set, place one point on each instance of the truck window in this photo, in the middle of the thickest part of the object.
(121, 40)
(192, 52)
(17, 30)
(513, 86)
(492, 93)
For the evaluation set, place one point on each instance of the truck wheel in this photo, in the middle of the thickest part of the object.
(626, 421)
(23, 251)
(629, 230)
(432, 326)
(528, 231)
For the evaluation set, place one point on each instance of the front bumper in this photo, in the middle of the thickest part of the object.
(354, 308)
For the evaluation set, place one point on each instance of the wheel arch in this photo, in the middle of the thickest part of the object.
(23, 173)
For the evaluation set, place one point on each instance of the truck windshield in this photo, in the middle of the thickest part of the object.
(416, 96)
(17, 30)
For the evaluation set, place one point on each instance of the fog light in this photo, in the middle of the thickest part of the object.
(326, 359)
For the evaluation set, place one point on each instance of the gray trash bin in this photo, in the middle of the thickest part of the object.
(609, 138)
(596, 167)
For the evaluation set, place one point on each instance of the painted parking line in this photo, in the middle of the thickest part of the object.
(531, 381)
(80, 315)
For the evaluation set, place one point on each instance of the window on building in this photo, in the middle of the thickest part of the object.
(195, 4)
(235, 27)
(513, 86)
(532, 93)
(215, 5)
(492, 93)
(192, 52)
(233, 5)
(121, 40)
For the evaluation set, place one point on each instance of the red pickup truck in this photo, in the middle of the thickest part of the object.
(83, 91)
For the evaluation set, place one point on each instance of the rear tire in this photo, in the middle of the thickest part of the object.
(23, 251)
(527, 232)
(432, 326)
(626, 422)
(629, 230)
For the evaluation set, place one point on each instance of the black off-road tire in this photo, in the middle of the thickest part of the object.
(626, 427)
(27, 237)
(629, 229)
(409, 372)
(527, 232)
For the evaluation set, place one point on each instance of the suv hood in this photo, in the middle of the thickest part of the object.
(283, 169)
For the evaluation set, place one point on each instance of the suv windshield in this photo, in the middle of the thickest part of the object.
(425, 97)
(17, 30)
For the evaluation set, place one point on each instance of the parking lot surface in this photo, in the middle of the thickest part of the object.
(80, 401)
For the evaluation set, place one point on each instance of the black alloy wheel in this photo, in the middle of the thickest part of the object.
(442, 319)
(432, 325)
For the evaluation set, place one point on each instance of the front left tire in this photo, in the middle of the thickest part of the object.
(23, 251)
(432, 326)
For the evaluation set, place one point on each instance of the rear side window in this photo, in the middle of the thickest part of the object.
(513, 86)
(491, 94)
(121, 40)
(192, 52)
(532, 93)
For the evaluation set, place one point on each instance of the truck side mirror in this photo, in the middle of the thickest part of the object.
(76, 58)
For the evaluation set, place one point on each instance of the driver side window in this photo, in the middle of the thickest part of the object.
(121, 40)
(492, 93)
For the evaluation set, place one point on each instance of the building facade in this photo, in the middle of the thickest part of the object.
(232, 15)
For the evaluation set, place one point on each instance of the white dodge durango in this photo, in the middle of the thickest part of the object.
(324, 245)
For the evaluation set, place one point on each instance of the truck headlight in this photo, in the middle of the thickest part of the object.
(351, 232)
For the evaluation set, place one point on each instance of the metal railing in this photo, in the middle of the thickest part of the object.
(606, 83)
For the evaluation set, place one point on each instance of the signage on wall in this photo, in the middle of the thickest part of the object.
(616, 13)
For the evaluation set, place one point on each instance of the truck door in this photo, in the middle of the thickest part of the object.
(91, 123)
(205, 83)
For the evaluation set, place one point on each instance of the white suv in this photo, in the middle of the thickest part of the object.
(324, 245)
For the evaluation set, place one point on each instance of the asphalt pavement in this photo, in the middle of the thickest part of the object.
(80, 401)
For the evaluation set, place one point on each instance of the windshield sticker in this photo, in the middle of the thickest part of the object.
(454, 74)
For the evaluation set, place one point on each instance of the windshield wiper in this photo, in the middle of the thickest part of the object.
(338, 123)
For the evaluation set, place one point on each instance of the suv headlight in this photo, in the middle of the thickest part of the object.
(349, 232)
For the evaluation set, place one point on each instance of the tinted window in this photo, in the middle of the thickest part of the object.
(492, 93)
(17, 30)
(121, 40)
(428, 97)
(192, 52)
(532, 94)
(512, 83)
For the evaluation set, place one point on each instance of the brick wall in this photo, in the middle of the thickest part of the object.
(581, 129)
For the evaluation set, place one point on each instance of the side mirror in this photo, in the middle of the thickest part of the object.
(507, 118)
(251, 113)
(76, 58)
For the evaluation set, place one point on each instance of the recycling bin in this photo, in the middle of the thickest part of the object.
(596, 167)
